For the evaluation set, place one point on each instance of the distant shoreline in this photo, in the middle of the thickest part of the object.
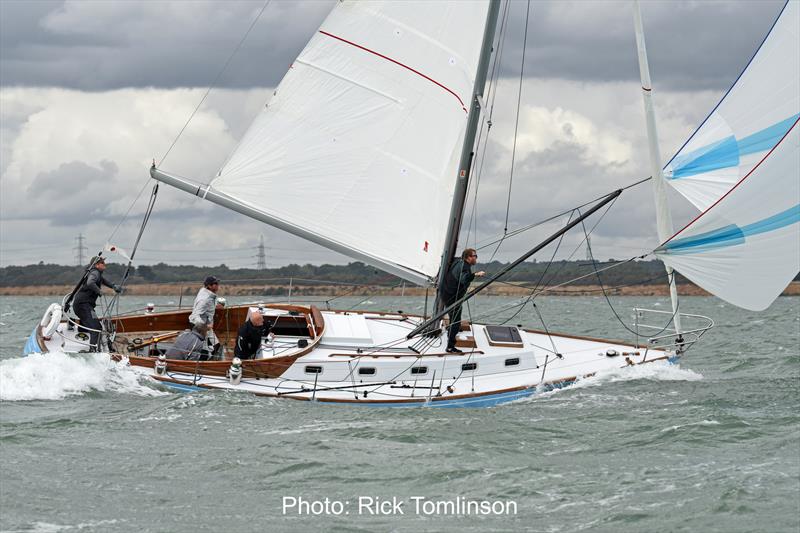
(176, 289)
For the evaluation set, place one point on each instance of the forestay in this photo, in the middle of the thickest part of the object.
(358, 147)
(748, 122)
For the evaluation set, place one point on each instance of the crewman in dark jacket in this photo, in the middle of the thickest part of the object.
(190, 345)
(455, 286)
(248, 339)
(86, 300)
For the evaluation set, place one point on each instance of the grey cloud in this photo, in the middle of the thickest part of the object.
(139, 44)
(585, 41)
(184, 44)
(74, 192)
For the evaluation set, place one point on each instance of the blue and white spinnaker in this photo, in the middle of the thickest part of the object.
(752, 117)
(742, 168)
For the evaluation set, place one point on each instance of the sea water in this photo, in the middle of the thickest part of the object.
(712, 444)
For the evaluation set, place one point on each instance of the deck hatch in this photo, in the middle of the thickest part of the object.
(503, 336)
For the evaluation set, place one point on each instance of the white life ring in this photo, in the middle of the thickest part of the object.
(50, 320)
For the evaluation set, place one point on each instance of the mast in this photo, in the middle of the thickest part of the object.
(663, 215)
(465, 163)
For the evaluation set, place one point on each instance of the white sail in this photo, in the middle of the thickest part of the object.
(746, 247)
(748, 122)
(358, 148)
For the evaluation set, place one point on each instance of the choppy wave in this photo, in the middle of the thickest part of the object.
(57, 375)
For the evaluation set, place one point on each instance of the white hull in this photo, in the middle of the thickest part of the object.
(364, 358)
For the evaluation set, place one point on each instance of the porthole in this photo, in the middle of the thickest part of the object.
(313, 369)
(513, 361)
(367, 371)
(469, 366)
(419, 370)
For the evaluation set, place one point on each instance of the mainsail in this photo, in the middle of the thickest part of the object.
(358, 148)
(743, 168)
(755, 113)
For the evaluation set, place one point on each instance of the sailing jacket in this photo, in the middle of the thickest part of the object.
(187, 346)
(203, 310)
(457, 281)
(248, 339)
(90, 290)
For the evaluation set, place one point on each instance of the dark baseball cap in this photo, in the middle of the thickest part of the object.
(210, 280)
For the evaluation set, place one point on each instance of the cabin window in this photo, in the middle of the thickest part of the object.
(419, 370)
(367, 371)
(514, 361)
(469, 366)
(313, 369)
(504, 334)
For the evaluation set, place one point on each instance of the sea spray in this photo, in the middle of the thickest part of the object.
(57, 375)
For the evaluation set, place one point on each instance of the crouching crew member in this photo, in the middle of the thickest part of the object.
(189, 345)
(248, 340)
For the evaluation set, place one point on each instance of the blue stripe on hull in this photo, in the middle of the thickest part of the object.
(181, 387)
(486, 400)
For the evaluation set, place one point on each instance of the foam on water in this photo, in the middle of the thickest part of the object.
(657, 371)
(57, 375)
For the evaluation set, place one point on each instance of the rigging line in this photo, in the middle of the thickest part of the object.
(491, 96)
(580, 244)
(519, 101)
(547, 332)
(536, 287)
(614, 311)
(125, 216)
(213, 83)
(522, 229)
(536, 290)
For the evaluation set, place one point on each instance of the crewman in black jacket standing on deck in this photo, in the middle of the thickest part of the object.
(455, 286)
(86, 300)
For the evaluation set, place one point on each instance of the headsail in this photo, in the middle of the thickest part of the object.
(359, 146)
(748, 122)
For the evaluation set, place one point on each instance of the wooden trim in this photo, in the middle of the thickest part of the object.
(319, 322)
(40, 340)
(400, 356)
(469, 342)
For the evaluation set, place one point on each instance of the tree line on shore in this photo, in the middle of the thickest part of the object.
(548, 274)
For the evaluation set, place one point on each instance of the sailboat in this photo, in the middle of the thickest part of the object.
(366, 148)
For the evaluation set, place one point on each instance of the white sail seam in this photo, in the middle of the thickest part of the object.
(348, 80)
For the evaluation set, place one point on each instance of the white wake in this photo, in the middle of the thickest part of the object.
(57, 375)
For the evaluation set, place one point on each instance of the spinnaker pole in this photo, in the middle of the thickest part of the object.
(465, 163)
(663, 215)
(432, 323)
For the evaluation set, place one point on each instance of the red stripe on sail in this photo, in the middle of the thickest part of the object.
(398, 63)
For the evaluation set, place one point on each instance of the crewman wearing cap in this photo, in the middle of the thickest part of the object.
(86, 300)
(205, 303)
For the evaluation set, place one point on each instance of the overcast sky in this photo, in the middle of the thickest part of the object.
(92, 91)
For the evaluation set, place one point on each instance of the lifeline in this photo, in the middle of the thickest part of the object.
(463, 506)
